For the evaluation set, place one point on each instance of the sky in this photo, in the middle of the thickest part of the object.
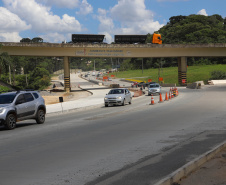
(56, 20)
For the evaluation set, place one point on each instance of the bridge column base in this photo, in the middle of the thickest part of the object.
(182, 71)
(67, 83)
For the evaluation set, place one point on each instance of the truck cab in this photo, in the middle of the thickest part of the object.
(156, 39)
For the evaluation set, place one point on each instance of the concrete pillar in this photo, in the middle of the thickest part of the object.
(67, 87)
(182, 71)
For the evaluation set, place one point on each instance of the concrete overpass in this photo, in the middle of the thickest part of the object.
(181, 51)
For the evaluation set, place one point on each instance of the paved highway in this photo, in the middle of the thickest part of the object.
(134, 144)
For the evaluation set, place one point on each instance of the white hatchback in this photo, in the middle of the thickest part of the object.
(119, 96)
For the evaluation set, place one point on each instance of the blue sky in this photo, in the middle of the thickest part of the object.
(56, 20)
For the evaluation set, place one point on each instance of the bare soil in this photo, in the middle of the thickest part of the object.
(52, 97)
(212, 172)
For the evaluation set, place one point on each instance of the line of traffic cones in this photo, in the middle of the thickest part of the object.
(173, 92)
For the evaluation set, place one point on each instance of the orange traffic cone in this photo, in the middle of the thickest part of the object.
(166, 97)
(152, 101)
(169, 94)
(160, 98)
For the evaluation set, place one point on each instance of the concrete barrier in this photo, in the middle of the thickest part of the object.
(195, 85)
(215, 82)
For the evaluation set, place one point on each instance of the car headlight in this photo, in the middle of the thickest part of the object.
(1, 110)
(119, 97)
(105, 98)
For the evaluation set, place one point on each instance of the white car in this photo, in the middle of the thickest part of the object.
(119, 96)
(154, 88)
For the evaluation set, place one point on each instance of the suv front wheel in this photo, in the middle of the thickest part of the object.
(10, 122)
(40, 116)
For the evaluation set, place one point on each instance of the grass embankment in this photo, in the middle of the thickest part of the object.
(3, 89)
(170, 74)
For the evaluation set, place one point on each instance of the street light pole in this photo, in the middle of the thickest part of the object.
(94, 65)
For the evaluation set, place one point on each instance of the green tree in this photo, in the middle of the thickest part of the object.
(37, 39)
(25, 40)
(39, 78)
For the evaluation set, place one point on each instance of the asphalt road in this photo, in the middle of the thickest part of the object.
(135, 144)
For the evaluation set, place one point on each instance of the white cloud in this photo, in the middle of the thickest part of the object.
(40, 17)
(61, 3)
(127, 17)
(85, 8)
(106, 23)
(202, 12)
(128, 11)
(134, 17)
(11, 25)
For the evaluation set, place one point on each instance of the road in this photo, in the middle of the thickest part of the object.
(135, 144)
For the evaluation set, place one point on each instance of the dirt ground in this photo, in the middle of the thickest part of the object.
(212, 172)
(52, 97)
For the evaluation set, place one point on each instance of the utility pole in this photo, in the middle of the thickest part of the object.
(142, 65)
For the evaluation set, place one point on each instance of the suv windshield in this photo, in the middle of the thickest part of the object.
(7, 98)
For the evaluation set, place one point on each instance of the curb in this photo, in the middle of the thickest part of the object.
(190, 167)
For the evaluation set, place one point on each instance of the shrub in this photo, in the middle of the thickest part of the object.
(218, 75)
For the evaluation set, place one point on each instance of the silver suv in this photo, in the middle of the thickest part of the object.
(21, 105)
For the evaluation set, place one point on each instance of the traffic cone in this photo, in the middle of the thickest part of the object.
(152, 101)
(166, 97)
(172, 95)
(160, 98)
(169, 94)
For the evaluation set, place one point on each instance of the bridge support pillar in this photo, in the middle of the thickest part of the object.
(182, 71)
(67, 83)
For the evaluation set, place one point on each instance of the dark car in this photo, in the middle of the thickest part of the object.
(142, 84)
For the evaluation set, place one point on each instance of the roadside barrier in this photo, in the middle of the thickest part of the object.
(172, 95)
(160, 98)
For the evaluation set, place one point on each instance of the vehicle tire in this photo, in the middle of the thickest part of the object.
(40, 118)
(10, 121)
(130, 101)
(123, 103)
(106, 105)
